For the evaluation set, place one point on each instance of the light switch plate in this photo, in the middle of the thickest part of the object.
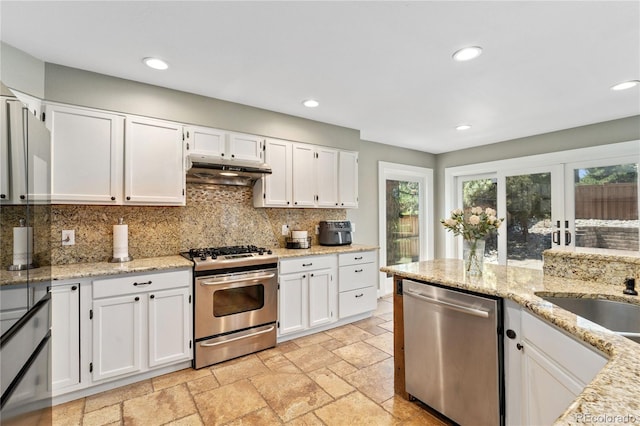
(68, 237)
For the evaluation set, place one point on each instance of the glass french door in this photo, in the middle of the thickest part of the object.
(403, 216)
(602, 204)
(531, 203)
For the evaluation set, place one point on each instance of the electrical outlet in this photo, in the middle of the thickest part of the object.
(285, 230)
(317, 229)
(68, 237)
(353, 227)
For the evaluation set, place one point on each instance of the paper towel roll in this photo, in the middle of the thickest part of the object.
(22, 245)
(120, 241)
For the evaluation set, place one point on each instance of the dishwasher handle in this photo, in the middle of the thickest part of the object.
(452, 306)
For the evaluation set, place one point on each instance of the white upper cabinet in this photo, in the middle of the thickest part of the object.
(245, 147)
(87, 151)
(348, 179)
(307, 176)
(304, 179)
(205, 140)
(223, 144)
(26, 155)
(326, 170)
(274, 190)
(153, 162)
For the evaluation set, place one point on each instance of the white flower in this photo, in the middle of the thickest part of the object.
(492, 219)
(456, 212)
(450, 222)
(474, 220)
(490, 212)
(476, 210)
(498, 223)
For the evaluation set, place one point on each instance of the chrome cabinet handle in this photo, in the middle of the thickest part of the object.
(141, 284)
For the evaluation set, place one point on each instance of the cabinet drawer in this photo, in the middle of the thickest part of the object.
(357, 258)
(357, 276)
(140, 283)
(357, 301)
(307, 263)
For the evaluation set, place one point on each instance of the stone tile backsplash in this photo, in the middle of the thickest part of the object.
(214, 215)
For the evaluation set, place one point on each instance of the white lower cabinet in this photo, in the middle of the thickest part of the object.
(140, 322)
(307, 293)
(545, 369)
(357, 283)
(65, 332)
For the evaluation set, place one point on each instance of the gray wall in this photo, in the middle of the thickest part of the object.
(84, 88)
(622, 130)
(366, 216)
(21, 71)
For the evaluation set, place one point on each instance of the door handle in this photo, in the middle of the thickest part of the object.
(207, 345)
(238, 280)
(452, 306)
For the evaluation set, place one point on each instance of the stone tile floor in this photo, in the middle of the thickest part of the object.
(342, 376)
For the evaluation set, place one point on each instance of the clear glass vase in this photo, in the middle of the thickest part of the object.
(473, 256)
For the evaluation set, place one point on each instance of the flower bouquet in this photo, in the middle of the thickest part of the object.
(474, 228)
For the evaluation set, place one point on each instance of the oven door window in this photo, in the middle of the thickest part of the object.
(236, 300)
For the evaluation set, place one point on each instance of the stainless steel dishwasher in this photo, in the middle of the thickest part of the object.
(453, 352)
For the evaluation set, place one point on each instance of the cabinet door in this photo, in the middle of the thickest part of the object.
(65, 332)
(292, 303)
(326, 177)
(87, 150)
(117, 336)
(5, 187)
(245, 147)
(205, 140)
(154, 162)
(304, 183)
(348, 179)
(548, 390)
(322, 297)
(277, 186)
(169, 326)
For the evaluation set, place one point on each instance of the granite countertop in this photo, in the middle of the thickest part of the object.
(614, 390)
(320, 250)
(83, 270)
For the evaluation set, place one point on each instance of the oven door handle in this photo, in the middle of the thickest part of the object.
(237, 280)
(268, 330)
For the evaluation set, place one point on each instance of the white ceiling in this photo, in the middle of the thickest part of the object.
(384, 68)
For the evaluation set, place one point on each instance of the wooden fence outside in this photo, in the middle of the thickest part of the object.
(607, 202)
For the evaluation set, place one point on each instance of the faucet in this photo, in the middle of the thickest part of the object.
(630, 284)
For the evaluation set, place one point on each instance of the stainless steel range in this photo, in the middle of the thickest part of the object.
(235, 302)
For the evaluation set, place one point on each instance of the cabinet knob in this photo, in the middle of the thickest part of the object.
(74, 288)
(312, 275)
(128, 198)
(222, 155)
(342, 204)
(296, 203)
(233, 156)
(3, 196)
(359, 295)
(519, 346)
(137, 298)
(359, 270)
(22, 197)
(113, 198)
(288, 203)
(357, 258)
(152, 296)
(304, 276)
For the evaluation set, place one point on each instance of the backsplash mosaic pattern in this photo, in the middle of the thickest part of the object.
(214, 215)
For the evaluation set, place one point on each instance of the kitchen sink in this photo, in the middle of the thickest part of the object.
(620, 317)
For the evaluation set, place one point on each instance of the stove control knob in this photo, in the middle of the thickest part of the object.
(214, 256)
(269, 252)
(203, 257)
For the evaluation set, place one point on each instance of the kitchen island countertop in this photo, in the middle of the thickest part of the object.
(614, 390)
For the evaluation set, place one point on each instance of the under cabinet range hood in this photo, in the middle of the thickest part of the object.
(209, 169)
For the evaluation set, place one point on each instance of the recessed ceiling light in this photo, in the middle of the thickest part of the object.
(463, 127)
(310, 103)
(625, 85)
(467, 53)
(155, 63)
